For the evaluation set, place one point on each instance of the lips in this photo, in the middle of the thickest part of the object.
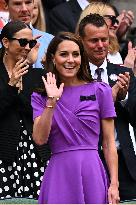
(24, 18)
(100, 52)
(69, 67)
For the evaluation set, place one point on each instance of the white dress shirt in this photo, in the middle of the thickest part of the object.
(83, 3)
(104, 75)
(115, 58)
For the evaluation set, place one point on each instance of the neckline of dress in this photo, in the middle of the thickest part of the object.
(76, 86)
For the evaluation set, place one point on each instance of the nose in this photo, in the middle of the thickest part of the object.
(116, 25)
(24, 7)
(100, 43)
(27, 47)
(70, 58)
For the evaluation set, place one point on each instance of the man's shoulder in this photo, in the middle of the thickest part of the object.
(62, 5)
(44, 34)
(61, 9)
(120, 68)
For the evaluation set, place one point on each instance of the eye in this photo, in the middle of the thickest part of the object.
(29, 2)
(76, 54)
(94, 40)
(104, 39)
(17, 3)
(63, 54)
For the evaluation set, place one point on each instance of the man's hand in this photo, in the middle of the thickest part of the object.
(119, 90)
(124, 80)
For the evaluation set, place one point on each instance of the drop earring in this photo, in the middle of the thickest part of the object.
(54, 64)
(6, 53)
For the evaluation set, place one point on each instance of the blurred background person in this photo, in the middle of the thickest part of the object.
(71, 10)
(48, 5)
(38, 18)
(4, 14)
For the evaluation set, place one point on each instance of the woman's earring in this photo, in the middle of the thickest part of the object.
(54, 64)
(6, 53)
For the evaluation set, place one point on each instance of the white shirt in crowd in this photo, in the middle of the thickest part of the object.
(83, 3)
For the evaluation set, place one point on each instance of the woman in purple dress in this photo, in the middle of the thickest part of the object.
(68, 114)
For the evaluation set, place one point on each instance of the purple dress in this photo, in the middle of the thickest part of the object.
(75, 174)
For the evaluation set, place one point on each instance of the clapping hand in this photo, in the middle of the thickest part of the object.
(124, 80)
(20, 69)
(126, 18)
(129, 61)
(119, 90)
(51, 88)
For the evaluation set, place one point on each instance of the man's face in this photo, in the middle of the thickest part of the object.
(96, 43)
(21, 10)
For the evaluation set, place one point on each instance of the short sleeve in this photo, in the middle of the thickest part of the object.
(105, 101)
(38, 103)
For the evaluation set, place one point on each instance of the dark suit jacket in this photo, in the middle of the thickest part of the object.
(50, 4)
(13, 107)
(125, 115)
(64, 17)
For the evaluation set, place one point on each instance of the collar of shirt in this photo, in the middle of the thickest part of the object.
(104, 75)
(83, 3)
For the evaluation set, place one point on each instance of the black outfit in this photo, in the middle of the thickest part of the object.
(64, 17)
(21, 168)
(125, 115)
(49, 4)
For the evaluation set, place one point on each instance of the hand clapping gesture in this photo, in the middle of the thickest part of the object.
(20, 69)
(121, 87)
(52, 90)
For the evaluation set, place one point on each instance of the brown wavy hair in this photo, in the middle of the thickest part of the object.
(84, 71)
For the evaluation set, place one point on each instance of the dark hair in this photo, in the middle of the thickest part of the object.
(84, 71)
(114, 9)
(7, 1)
(10, 29)
(94, 19)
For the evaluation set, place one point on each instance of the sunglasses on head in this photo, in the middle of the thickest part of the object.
(23, 42)
(113, 19)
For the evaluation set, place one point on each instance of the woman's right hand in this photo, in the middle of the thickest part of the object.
(20, 69)
(131, 56)
(51, 88)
